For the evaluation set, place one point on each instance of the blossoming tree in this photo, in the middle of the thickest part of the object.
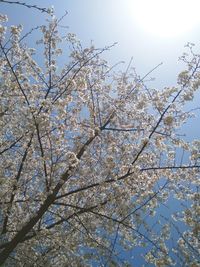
(89, 155)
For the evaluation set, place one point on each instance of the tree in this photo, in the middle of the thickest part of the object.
(88, 153)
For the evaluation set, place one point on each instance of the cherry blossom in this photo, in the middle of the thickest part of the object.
(89, 155)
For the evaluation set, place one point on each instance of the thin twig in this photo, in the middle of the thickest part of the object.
(41, 9)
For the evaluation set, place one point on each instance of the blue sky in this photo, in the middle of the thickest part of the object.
(109, 21)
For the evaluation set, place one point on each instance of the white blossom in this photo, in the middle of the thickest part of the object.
(86, 160)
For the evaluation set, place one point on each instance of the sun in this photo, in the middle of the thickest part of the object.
(166, 18)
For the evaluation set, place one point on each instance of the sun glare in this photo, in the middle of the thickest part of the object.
(166, 18)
